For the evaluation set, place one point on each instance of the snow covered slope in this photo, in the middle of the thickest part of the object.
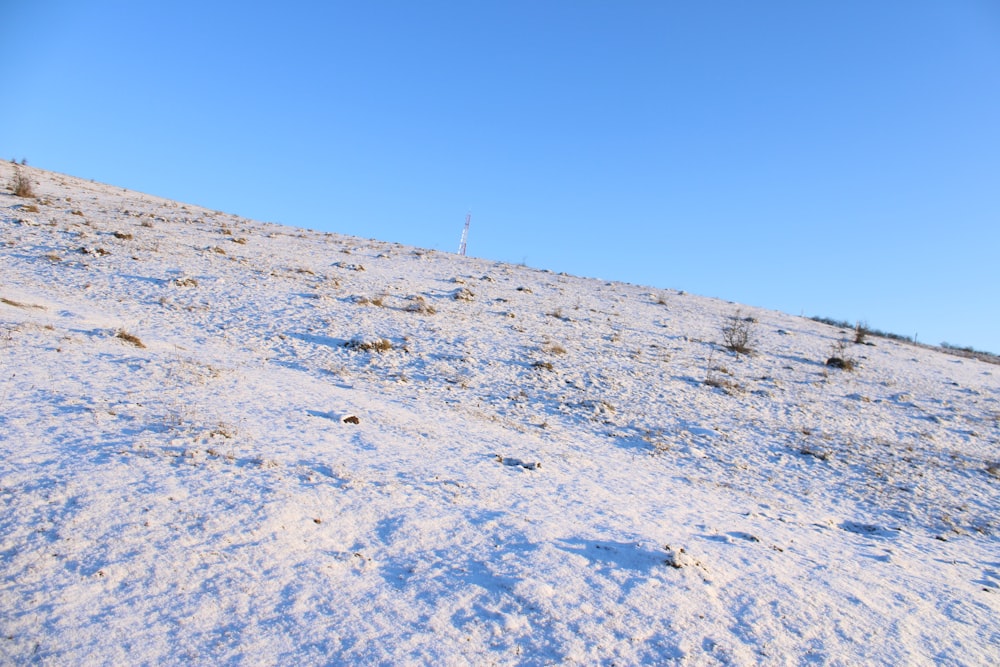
(232, 442)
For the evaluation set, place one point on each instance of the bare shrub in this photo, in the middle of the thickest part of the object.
(738, 333)
(860, 332)
(21, 184)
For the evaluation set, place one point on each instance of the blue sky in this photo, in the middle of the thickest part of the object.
(821, 158)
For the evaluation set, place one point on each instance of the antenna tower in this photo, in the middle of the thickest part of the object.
(465, 234)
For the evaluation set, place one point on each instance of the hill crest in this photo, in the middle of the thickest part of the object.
(232, 440)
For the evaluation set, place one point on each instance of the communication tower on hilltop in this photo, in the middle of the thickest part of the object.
(465, 234)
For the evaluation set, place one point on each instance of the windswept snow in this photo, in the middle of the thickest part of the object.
(233, 442)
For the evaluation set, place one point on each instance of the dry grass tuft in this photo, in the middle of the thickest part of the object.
(18, 304)
(418, 304)
(129, 338)
(369, 344)
(554, 348)
(722, 382)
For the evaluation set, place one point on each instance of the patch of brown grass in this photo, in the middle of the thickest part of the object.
(372, 345)
(129, 338)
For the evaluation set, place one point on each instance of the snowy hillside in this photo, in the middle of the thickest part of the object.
(232, 442)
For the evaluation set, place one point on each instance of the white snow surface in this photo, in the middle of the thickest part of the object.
(538, 472)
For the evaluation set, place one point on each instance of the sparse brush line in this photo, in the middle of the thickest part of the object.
(862, 331)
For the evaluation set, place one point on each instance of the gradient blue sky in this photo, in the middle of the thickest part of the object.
(821, 158)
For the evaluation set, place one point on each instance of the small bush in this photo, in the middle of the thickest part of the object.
(21, 185)
(860, 332)
(839, 356)
(738, 333)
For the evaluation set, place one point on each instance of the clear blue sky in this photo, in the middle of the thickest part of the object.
(821, 158)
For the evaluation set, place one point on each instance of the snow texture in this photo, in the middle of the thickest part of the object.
(232, 442)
